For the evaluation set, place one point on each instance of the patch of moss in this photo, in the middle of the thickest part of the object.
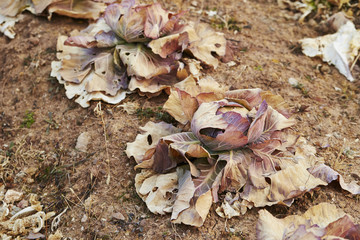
(157, 113)
(28, 120)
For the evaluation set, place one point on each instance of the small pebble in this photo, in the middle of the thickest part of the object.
(84, 218)
(12, 196)
(293, 82)
(34, 41)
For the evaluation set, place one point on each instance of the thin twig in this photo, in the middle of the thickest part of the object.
(99, 112)
(353, 64)
(233, 40)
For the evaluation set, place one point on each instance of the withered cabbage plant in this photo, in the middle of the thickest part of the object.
(132, 47)
(238, 144)
(230, 140)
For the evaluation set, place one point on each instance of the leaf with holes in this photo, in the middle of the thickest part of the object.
(149, 139)
(158, 191)
(204, 42)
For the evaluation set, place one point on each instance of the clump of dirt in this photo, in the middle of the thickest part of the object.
(40, 126)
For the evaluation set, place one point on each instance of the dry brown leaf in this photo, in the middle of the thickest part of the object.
(77, 8)
(339, 49)
(187, 209)
(149, 139)
(322, 221)
(157, 190)
(88, 74)
(187, 95)
(204, 41)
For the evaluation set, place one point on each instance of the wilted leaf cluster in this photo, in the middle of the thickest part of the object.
(231, 140)
(238, 143)
(132, 47)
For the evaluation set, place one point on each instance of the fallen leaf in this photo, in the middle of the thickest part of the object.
(82, 142)
(142, 62)
(157, 190)
(149, 139)
(194, 198)
(187, 95)
(77, 8)
(11, 8)
(328, 175)
(322, 221)
(339, 49)
(204, 41)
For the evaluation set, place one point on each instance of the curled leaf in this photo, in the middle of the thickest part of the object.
(11, 8)
(204, 41)
(322, 221)
(188, 94)
(328, 175)
(220, 131)
(168, 45)
(157, 190)
(77, 8)
(159, 21)
(194, 198)
(140, 61)
(149, 139)
(235, 172)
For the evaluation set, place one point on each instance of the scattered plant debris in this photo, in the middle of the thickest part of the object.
(24, 220)
(318, 9)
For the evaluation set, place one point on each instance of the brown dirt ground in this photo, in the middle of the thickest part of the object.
(266, 57)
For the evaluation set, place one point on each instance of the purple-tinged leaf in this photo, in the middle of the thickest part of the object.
(256, 128)
(142, 62)
(168, 45)
(263, 151)
(127, 21)
(235, 172)
(107, 39)
(218, 131)
(81, 41)
(328, 175)
(194, 198)
(249, 98)
(178, 148)
(159, 21)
